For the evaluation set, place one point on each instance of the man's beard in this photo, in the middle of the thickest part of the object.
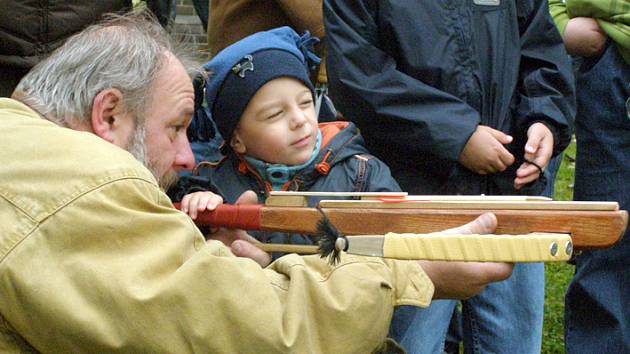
(137, 147)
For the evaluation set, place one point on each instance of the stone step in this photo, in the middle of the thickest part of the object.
(188, 26)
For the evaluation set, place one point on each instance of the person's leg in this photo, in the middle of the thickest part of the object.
(422, 331)
(164, 10)
(507, 317)
(455, 333)
(551, 173)
(597, 308)
(202, 7)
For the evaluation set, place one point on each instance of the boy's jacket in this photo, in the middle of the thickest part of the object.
(342, 165)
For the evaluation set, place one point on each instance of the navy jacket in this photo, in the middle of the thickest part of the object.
(417, 77)
(350, 168)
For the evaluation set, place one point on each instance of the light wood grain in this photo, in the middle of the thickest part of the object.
(588, 229)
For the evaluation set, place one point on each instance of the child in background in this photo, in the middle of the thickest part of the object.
(597, 33)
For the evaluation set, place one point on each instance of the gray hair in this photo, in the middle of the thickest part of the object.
(124, 52)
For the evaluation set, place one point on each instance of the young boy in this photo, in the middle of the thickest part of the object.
(262, 102)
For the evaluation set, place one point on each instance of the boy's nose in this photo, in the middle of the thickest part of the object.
(298, 118)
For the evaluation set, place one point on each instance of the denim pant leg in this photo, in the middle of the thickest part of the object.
(507, 317)
(597, 309)
(425, 328)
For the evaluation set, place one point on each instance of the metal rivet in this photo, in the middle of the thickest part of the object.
(568, 248)
(553, 249)
(340, 244)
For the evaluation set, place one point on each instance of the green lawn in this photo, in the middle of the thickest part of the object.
(558, 275)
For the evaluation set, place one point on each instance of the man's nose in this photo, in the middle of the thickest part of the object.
(184, 158)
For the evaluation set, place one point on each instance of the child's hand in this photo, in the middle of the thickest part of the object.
(584, 37)
(484, 152)
(538, 149)
(199, 201)
(239, 241)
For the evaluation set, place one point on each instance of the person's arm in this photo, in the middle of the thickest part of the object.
(119, 269)
(546, 90)
(582, 36)
(392, 108)
(559, 14)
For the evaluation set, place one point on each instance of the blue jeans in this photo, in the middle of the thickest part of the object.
(455, 333)
(597, 308)
(506, 318)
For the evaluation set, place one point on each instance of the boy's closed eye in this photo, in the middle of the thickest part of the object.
(274, 114)
(306, 102)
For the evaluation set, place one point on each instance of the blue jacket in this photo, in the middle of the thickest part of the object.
(418, 77)
(342, 165)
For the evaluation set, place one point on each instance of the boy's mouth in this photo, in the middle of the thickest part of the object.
(302, 141)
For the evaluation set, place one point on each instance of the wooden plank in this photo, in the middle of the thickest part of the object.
(287, 200)
(588, 229)
(275, 247)
(337, 194)
(513, 198)
(477, 205)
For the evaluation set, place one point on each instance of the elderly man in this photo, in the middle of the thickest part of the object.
(94, 258)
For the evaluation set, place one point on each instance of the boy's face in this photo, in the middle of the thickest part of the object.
(279, 124)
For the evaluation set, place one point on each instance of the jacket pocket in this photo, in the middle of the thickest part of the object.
(489, 5)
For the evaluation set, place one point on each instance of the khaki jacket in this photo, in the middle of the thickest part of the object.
(94, 258)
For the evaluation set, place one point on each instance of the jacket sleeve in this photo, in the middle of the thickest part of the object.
(134, 275)
(546, 84)
(558, 11)
(367, 87)
(380, 177)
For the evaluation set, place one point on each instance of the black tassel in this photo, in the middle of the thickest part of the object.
(327, 236)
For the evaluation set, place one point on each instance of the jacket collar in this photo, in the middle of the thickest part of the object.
(278, 174)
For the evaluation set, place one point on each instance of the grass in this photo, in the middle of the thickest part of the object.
(558, 275)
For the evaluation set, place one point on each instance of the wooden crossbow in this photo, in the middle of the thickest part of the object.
(541, 229)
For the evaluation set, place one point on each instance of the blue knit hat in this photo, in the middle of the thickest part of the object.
(240, 70)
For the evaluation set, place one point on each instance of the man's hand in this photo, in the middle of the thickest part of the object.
(484, 152)
(538, 149)
(584, 37)
(461, 280)
(239, 241)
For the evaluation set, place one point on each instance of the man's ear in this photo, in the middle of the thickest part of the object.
(110, 119)
(237, 143)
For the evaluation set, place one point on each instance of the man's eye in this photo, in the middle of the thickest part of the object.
(179, 128)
